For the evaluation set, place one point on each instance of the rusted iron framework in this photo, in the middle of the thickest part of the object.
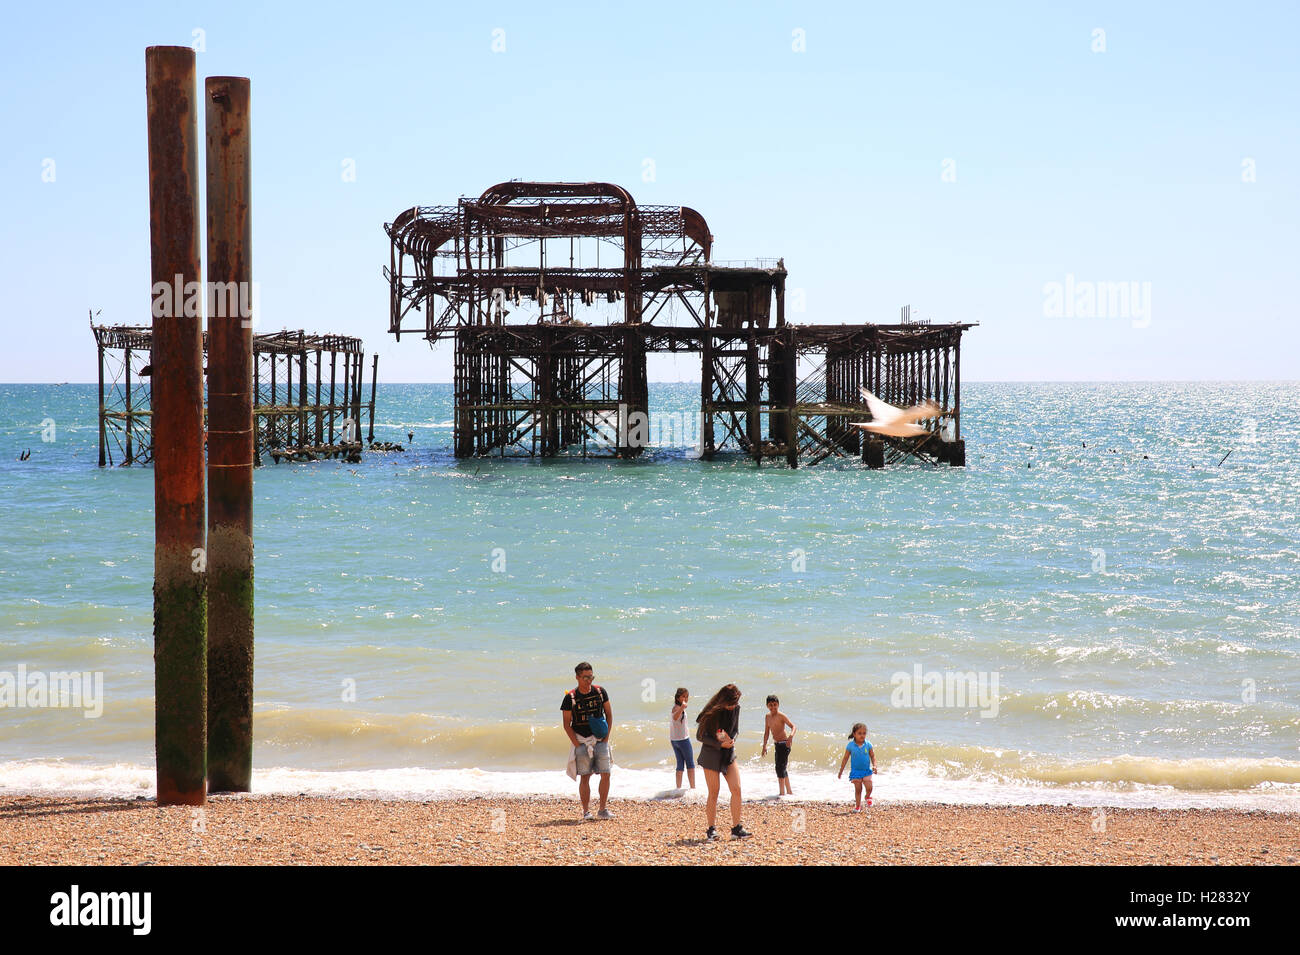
(644, 276)
(308, 395)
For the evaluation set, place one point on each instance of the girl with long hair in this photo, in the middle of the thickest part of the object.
(719, 724)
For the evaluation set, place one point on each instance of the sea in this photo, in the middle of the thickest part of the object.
(1101, 609)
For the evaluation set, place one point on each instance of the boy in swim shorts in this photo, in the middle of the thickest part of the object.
(774, 724)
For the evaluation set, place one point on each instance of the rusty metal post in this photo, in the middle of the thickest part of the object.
(102, 436)
(302, 389)
(347, 389)
(956, 391)
(333, 356)
(753, 399)
(358, 381)
(319, 423)
(633, 393)
(374, 375)
(230, 439)
(130, 421)
(180, 579)
(706, 393)
(259, 430)
(791, 359)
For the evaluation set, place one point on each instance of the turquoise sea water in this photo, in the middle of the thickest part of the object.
(1169, 674)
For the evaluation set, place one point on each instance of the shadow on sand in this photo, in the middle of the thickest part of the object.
(63, 807)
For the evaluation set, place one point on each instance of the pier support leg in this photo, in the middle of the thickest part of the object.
(706, 398)
(544, 388)
(753, 400)
(374, 377)
(358, 380)
(230, 443)
(303, 439)
(634, 395)
(130, 418)
(180, 577)
(102, 437)
(775, 389)
(873, 453)
(790, 359)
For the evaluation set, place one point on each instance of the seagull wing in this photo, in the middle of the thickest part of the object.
(899, 422)
(883, 413)
(927, 409)
(897, 429)
(880, 412)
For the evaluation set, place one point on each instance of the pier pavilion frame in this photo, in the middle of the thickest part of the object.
(306, 388)
(559, 385)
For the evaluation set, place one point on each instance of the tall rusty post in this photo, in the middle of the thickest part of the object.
(302, 389)
(130, 419)
(230, 438)
(180, 578)
(102, 436)
(753, 399)
(374, 374)
(790, 359)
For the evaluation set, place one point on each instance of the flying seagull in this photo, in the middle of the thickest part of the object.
(899, 422)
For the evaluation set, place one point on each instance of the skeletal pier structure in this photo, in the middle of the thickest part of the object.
(308, 395)
(645, 281)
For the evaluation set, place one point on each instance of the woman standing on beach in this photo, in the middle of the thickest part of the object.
(679, 738)
(719, 725)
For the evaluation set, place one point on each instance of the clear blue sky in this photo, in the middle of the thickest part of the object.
(1119, 166)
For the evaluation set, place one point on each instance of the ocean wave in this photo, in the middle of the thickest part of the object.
(899, 781)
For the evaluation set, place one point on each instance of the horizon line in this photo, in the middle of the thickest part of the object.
(970, 381)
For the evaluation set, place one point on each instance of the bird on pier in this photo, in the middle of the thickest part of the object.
(898, 422)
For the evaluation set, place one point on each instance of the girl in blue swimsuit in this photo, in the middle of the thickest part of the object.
(864, 763)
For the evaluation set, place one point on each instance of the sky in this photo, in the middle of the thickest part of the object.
(1012, 164)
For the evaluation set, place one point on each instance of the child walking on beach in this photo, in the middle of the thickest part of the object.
(680, 738)
(774, 724)
(864, 763)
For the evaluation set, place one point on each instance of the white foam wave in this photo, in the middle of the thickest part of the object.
(905, 784)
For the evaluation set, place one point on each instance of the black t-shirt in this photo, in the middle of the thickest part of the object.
(723, 719)
(588, 705)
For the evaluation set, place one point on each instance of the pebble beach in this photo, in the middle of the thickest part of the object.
(279, 830)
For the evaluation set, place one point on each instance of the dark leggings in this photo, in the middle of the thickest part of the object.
(782, 757)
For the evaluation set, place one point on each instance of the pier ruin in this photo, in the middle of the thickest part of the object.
(308, 395)
(604, 282)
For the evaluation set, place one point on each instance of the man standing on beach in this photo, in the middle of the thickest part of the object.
(583, 707)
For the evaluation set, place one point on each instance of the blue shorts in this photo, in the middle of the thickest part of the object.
(859, 774)
(685, 757)
(597, 762)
